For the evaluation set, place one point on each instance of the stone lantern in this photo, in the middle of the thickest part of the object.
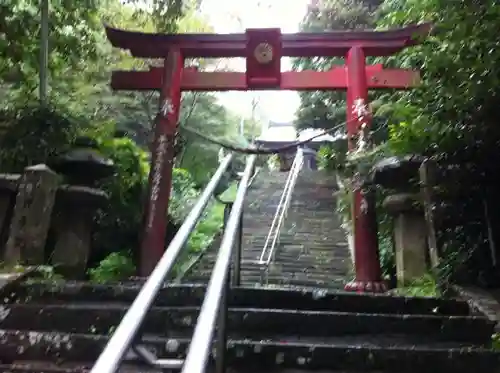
(83, 164)
(76, 204)
(400, 176)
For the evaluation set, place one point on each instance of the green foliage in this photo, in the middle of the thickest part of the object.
(164, 13)
(423, 287)
(274, 162)
(73, 36)
(80, 63)
(183, 194)
(35, 135)
(330, 158)
(210, 224)
(452, 118)
(197, 155)
(119, 223)
(496, 341)
(386, 254)
(115, 267)
(454, 73)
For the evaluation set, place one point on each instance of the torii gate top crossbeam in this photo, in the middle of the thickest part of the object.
(325, 44)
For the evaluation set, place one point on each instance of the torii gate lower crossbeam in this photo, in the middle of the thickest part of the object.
(263, 49)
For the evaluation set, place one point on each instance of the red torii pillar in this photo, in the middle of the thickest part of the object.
(263, 49)
(364, 219)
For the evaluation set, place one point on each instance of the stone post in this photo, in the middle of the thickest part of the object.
(409, 236)
(75, 209)
(31, 218)
(400, 176)
(427, 173)
(8, 190)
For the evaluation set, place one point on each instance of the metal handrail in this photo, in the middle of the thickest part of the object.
(121, 340)
(214, 304)
(237, 259)
(276, 215)
(282, 209)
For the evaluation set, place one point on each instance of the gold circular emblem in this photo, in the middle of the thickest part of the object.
(263, 53)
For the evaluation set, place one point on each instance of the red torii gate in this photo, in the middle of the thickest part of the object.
(263, 49)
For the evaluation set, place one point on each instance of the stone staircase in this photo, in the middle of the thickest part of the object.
(312, 251)
(63, 327)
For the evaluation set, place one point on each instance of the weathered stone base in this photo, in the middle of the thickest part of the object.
(366, 286)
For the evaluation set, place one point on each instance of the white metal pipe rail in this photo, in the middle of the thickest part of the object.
(277, 223)
(123, 337)
(215, 296)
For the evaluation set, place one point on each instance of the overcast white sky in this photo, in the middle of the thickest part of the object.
(228, 16)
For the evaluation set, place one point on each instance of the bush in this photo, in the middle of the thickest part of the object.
(201, 238)
(423, 287)
(116, 266)
(35, 135)
(120, 224)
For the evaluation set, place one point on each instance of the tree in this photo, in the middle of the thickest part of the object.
(81, 102)
(452, 117)
(74, 32)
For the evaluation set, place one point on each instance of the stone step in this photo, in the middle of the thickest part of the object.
(250, 280)
(282, 268)
(282, 272)
(250, 322)
(311, 242)
(312, 248)
(292, 254)
(49, 367)
(295, 249)
(282, 255)
(250, 263)
(290, 276)
(288, 352)
(282, 281)
(54, 324)
(192, 295)
(258, 238)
